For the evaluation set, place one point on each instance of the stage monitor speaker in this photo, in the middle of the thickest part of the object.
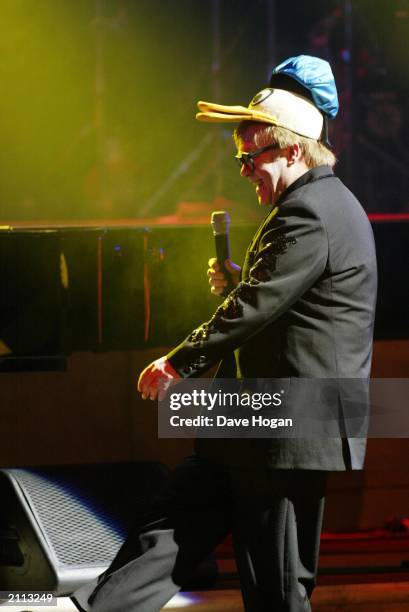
(61, 527)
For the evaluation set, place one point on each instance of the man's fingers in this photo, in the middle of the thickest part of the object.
(153, 394)
(145, 389)
(213, 263)
(149, 390)
(220, 285)
(217, 290)
(143, 376)
(147, 381)
(219, 278)
(214, 267)
(212, 274)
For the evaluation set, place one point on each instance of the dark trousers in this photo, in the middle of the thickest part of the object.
(275, 517)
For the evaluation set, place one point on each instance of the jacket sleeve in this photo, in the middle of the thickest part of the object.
(291, 256)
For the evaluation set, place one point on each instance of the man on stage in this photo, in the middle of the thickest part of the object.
(303, 307)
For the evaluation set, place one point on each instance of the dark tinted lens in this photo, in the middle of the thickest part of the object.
(244, 159)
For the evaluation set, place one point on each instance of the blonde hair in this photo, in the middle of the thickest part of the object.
(263, 134)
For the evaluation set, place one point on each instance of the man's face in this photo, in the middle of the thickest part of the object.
(269, 172)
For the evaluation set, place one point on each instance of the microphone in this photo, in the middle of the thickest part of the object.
(220, 221)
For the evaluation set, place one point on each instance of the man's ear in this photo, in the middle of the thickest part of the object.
(294, 153)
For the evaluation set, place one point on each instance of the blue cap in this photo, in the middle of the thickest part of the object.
(315, 75)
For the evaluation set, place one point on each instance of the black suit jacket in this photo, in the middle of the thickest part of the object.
(304, 308)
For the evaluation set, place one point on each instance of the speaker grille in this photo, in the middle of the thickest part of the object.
(77, 533)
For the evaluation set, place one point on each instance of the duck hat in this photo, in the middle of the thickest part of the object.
(301, 96)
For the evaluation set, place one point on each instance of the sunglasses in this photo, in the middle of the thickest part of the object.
(247, 159)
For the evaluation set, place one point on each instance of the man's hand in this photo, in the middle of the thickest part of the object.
(156, 378)
(217, 279)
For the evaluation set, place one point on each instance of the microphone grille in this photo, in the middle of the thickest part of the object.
(220, 222)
